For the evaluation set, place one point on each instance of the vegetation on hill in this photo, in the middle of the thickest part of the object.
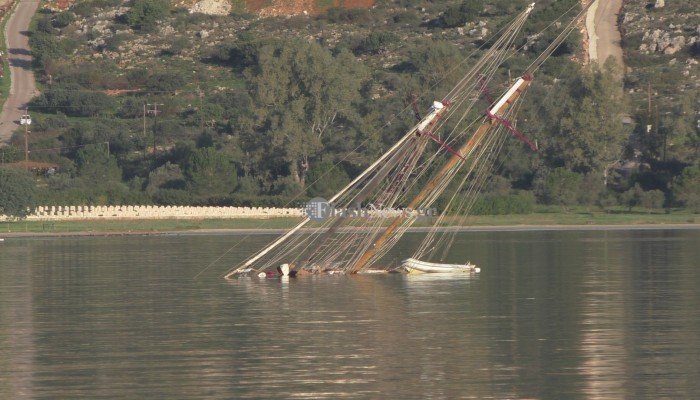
(143, 102)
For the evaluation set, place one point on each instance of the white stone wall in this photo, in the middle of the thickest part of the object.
(66, 213)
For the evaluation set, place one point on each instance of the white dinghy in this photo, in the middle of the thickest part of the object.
(414, 266)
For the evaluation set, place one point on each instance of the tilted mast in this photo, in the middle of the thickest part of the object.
(498, 110)
(437, 109)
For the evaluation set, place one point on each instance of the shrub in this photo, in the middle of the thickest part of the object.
(459, 15)
(374, 42)
(343, 15)
(165, 82)
(559, 187)
(73, 101)
(167, 176)
(407, 18)
(45, 47)
(87, 8)
(17, 194)
(172, 197)
(652, 199)
(638, 197)
(144, 14)
(500, 204)
(178, 46)
(61, 20)
(686, 188)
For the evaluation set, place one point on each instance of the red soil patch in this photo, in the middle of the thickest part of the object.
(60, 4)
(255, 5)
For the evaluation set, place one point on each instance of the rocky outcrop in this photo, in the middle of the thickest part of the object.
(212, 7)
(268, 8)
(663, 42)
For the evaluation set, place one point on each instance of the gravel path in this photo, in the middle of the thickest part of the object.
(603, 33)
(23, 84)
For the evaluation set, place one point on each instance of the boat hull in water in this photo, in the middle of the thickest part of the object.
(414, 266)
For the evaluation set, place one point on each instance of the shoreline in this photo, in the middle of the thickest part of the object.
(278, 231)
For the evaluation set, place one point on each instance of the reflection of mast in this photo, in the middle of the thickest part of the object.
(498, 110)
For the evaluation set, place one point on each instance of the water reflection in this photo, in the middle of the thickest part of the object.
(16, 325)
(551, 315)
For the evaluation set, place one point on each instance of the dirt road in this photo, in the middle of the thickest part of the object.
(23, 84)
(603, 33)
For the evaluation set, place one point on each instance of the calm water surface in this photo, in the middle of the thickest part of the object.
(553, 315)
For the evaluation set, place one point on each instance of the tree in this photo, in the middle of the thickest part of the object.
(433, 63)
(581, 126)
(686, 188)
(325, 179)
(17, 193)
(559, 186)
(96, 166)
(302, 96)
(211, 173)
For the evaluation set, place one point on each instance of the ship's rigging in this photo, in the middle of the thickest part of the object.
(448, 154)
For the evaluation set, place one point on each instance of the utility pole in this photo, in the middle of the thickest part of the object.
(649, 116)
(201, 108)
(663, 157)
(154, 110)
(144, 131)
(26, 120)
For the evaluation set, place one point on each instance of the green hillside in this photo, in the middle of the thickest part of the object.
(271, 111)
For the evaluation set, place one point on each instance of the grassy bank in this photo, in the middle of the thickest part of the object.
(546, 218)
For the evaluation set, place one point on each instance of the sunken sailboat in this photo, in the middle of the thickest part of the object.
(448, 154)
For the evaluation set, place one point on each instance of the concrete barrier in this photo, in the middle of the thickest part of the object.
(81, 212)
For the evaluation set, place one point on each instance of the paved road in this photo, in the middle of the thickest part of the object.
(23, 84)
(603, 32)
